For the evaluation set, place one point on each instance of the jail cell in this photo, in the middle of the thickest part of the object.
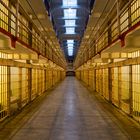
(82, 75)
(124, 21)
(43, 80)
(135, 12)
(105, 84)
(58, 73)
(136, 91)
(114, 30)
(57, 76)
(91, 78)
(100, 78)
(86, 77)
(50, 78)
(15, 93)
(40, 81)
(34, 91)
(115, 86)
(23, 31)
(24, 86)
(97, 80)
(47, 79)
(54, 77)
(124, 91)
(13, 21)
(3, 92)
(94, 80)
(78, 75)
(4, 16)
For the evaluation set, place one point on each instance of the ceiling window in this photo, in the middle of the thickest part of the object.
(69, 2)
(70, 23)
(70, 30)
(70, 51)
(70, 13)
(70, 48)
(70, 45)
(70, 41)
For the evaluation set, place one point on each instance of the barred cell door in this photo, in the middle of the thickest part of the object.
(124, 88)
(3, 93)
(15, 92)
(115, 86)
(136, 92)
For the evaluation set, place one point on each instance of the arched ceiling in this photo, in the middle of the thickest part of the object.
(69, 18)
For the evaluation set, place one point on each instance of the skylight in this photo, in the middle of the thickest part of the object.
(70, 13)
(70, 51)
(70, 48)
(69, 2)
(70, 45)
(70, 30)
(70, 41)
(70, 22)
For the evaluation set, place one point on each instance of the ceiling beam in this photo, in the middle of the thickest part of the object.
(64, 26)
(57, 8)
(76, 18)
(74, 36)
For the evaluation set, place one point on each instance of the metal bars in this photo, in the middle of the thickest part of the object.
(20, 25)
(124, 86)
(4, 92)
(136, 92)
(124, 78)
(106, 83)
(128, 17)
(24, 86)
(14, 86)
(115, 88)
(4, 16)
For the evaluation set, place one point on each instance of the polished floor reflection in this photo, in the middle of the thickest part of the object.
(70, 112)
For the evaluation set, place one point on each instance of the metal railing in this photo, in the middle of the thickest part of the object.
(111, 28)
(22, 27)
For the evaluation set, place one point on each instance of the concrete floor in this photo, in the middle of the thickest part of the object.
(70, 112)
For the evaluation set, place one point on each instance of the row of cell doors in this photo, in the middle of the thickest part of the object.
(120, 85)
(18, 86)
